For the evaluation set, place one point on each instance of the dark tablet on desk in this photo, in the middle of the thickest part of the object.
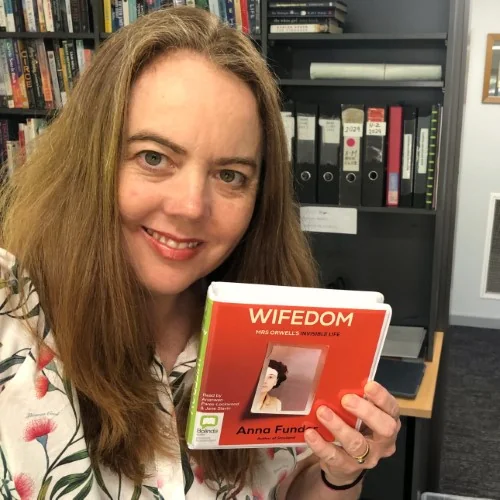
(401, 377)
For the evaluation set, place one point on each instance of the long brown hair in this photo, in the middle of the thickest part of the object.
(60, 219)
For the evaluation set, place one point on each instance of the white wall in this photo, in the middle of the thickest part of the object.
(479, 177)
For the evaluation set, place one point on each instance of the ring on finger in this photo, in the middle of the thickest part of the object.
(362, 458)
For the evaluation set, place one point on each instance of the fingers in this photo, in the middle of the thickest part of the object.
(353, 442)
(381, 423)
(381, 398)
(334, 458)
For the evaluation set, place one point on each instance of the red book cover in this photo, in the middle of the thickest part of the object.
(394, 148)
(269, 356)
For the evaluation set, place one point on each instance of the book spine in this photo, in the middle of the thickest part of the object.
(195, 396)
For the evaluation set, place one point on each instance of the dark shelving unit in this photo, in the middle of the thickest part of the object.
(359, 37)
(29, 113)
(319, 82)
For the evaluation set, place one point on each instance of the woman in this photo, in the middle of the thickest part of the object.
(275, 375)
(166, 169)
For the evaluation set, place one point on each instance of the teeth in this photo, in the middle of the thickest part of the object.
(169, 242)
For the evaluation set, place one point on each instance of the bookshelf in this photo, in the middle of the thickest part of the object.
(403, 252)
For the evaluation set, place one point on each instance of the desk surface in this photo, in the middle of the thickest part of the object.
(422, 405)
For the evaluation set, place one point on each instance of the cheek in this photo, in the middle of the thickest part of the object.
(233, 218)
(131, 198)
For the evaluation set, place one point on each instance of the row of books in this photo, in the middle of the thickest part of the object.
(357, 155)
(35, 75)
(241, 14)
(307, 16)
(70, 16)
(16, 141)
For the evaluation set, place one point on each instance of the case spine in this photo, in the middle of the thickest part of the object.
(195, 396)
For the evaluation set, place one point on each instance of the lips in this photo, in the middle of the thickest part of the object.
(171, 241)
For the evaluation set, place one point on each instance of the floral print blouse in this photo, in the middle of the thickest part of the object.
(43, 454)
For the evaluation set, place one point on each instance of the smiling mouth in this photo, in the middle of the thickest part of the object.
(170, 242)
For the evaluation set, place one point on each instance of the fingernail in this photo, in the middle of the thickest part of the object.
(325, 413)
(350, 401)
(371, 388)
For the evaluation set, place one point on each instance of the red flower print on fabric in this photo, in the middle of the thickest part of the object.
(257, 495)
(41, 385)
(282, 476)
(24, 486)
(39, 429)
(45, 356)
(198, 474)
(300, 449)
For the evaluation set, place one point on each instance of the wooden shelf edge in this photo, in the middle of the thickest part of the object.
(422, 405)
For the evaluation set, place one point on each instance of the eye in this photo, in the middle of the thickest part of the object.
(232, 177)
(152, 158)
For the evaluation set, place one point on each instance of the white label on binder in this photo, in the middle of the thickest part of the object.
(407, 156)
(353, 130)
(331, 130)
(320, 219)
(351, 155)
(423, 151)
(376, 128)
(306, 126)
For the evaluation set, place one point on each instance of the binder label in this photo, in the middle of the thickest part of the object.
(289, 125)
(330, 130)
(353, 129)
(306, 128)
(376, 128)
(407, 156)
(319, 219)
(423, 151)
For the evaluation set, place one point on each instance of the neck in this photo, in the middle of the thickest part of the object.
(175, 318)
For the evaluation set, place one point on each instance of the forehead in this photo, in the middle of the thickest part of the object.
(271, 371)
(197, 104)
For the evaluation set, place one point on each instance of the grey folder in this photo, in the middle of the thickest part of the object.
(404, 341)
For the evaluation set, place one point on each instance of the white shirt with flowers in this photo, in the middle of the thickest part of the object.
(43, 453)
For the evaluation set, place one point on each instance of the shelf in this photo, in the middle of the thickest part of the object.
(291, 82)
(371, 37)
(382, 210)
(397, 210)
(26, 112)
(47, 35)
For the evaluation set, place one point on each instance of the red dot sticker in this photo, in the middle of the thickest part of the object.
(351, 142)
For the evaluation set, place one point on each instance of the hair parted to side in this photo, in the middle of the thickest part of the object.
(282, 370)
(60, 219)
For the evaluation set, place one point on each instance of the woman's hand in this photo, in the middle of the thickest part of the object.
(380, 416)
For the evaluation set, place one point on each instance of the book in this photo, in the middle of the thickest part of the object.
(270, 355)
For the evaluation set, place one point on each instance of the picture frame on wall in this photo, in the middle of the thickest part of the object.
(491, 83)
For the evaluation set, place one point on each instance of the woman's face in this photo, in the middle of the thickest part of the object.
(270, 380)
(190, 171)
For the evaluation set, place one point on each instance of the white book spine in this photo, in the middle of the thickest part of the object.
(53, 77)
(49, 18)
(3, 16)
(297, 28)
(68, 14)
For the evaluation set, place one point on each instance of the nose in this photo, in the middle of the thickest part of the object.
(187, 194)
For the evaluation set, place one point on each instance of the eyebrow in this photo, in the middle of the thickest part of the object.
(176, 148)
